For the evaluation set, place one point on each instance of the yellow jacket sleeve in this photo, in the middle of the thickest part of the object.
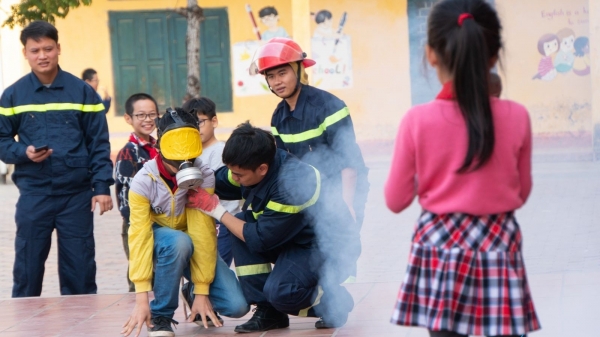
(201, 229)
(141, 243)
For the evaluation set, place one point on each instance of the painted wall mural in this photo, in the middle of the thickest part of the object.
(563, 53)
(548, 65)
(333, 52)
(330, 48)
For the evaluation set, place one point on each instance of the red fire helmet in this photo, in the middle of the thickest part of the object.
(278, 51)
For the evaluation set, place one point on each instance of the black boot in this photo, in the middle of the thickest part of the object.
(331, 322)
(264, 318)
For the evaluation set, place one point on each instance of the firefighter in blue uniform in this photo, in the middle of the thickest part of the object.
(315, 126)
(283, 206)
(62, 166)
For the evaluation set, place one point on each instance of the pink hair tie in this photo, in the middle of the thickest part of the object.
(463, 17)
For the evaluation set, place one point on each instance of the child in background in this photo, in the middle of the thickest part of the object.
(140, 112)
(212, 152)
(495, 85)
(468, 159)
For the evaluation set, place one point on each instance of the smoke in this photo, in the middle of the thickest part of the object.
(336, 231)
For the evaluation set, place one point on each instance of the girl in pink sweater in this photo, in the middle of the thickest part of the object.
(468, 158)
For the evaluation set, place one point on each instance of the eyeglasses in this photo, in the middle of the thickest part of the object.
(142, 117)
(201, 121)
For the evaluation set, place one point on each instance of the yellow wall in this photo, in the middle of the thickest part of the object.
(381, 91)
(562, 106)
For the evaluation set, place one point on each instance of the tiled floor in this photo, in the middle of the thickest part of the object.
(560, 224)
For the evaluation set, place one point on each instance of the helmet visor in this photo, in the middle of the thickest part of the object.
(272, 55)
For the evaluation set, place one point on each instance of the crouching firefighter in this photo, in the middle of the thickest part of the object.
(284, 203)
(172, 240)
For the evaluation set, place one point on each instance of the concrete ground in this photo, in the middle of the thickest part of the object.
(561, 247)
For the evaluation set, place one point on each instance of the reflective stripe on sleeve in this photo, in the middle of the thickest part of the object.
(52, 107)
(253, 269)
(304, 312)
(255, 215)
(297, 209)
(7, 111)
(230, 178)
(313, 133)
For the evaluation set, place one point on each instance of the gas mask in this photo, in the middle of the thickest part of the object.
(180, 144)
(189, 176)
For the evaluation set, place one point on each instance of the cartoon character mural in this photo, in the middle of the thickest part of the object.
(563, 62)
(547, 46)
(581, 66)
(331, 49)
(561, 54)
(270, 18)
(333, 52)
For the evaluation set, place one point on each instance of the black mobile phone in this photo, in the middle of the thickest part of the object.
(41, 148)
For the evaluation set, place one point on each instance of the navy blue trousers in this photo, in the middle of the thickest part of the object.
(293, 286)
(36, 217)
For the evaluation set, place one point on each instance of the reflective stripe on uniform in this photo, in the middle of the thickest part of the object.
(313, 133)
(51, 106)
(304, 312)
(255, 215)
(253, 269)
(230, 178)
(296, 209)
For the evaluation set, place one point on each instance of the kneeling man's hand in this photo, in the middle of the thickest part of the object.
(203, 307)
(206, 202)
(140, 315)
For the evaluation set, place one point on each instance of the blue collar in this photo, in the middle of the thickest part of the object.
(298, 112)
(59, 80)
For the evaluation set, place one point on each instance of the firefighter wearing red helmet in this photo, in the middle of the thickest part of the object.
(316, 126)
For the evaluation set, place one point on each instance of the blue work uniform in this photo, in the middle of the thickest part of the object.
(319, 131)
(67, 116)
(281, 215)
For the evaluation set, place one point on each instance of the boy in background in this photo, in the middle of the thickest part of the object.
(212, 154)
(140, 112)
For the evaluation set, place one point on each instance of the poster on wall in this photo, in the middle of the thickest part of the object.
(245, 84)
(331, 49)
(243, 52)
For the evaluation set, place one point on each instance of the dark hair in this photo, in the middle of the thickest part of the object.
(166, 120)
(465, 51)
(579, 44)
(88, 74)
(203, 105)
(545, 39)
(249, 147)
(138, 97)
(37, 30)
(266, 11)
(322, 16)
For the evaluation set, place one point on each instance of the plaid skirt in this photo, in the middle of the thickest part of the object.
(466, 274)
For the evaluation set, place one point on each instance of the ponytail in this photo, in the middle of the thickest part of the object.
(465, 35)
(470, 71)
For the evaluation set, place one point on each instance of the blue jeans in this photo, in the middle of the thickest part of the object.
(172, 252)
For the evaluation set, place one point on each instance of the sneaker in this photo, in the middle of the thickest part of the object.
(264, 318)
(324, 323)
(187, 294)
(162, 327)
